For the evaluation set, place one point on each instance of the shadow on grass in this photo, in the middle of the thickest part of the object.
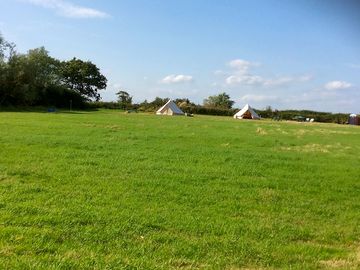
(76, 111)
(49, 110)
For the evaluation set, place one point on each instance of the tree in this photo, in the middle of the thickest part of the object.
(268, 112)
(184, 103)
(158, 101)
(7, 49)
(28, 77)
(83, 77)
(124, 99)
(221, 100)
(35, 78)
(44, 69)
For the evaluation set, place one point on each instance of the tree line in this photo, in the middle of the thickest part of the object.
(222, 105)
(37, 79)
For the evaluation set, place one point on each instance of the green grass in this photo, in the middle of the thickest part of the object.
(108, 190)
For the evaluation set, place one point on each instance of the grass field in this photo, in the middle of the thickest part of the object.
(108, 190)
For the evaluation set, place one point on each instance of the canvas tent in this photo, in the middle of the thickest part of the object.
(246, 113)
(170, 108)
(354, 119)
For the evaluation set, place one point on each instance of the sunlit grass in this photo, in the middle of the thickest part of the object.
(113, 190)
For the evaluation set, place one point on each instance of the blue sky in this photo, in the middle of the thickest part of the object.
(287, 54)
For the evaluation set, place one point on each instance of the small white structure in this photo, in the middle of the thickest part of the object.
(170, 108)
(354, 119)
(246, 113)
(310, 120)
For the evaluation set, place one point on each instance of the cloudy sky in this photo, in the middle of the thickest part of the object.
(301, 54)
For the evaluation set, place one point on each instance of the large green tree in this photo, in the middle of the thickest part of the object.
(221, 100)
(35, 78)
(25, 77)
(83, 77)
(28, 76)
(44, 69)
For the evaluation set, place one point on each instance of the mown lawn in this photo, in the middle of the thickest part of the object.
(108, 190)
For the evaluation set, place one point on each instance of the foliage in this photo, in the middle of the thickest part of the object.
(27, 77)
(221, 100)
(108, 190)
(153, 105)
(124, 100)
(184, 102)
(104, 104)
(83, 77)
(36, 78)
(198, 109)
(325, 117)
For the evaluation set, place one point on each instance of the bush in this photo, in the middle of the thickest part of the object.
(197, 109)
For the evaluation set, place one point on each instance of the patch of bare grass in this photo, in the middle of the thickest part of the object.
(351, 262)
(225, 144)
(261, 131)
(113, 127)
(308, 148)
(316, 148)
(279, 130)
(300, 132)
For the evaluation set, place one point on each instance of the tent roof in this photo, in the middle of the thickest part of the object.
(246, 108)
(170, 105)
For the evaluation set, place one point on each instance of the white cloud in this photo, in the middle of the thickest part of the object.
(68, 9)
(258, 98)
(176, 79)
(241, 75)
(242, 66)
(244, 79)
(337, 85)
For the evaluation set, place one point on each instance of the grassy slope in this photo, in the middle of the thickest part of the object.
(106, 189)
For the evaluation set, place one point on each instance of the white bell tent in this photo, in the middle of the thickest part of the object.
(170, 108)
(246, 113)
